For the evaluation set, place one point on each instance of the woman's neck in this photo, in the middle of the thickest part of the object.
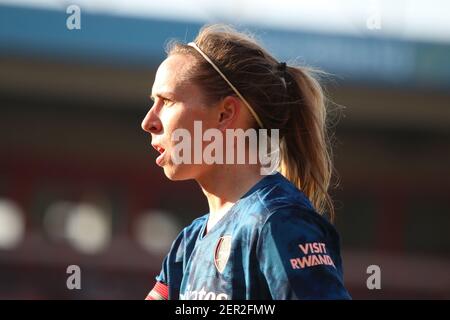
(224, 186)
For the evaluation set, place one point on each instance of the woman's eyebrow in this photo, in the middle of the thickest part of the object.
(165, 95)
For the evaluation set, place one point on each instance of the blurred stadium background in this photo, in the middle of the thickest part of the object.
(78, 183)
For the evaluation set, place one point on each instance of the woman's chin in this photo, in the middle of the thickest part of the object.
(175, 173)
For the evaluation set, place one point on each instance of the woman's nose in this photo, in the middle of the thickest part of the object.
(151, 123)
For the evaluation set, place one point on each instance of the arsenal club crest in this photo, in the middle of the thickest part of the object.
(222, 252)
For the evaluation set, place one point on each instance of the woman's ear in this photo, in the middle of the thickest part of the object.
(229, 110)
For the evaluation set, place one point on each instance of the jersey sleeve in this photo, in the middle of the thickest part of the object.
(169, 279)
(298, 256)
(160, 291)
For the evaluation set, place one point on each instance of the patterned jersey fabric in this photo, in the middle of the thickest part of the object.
(271, 244)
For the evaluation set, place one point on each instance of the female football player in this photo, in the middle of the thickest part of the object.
(267, 234)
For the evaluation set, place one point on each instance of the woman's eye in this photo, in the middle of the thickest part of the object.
(166, 101)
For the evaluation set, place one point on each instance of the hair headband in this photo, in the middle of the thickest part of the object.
(252, 111)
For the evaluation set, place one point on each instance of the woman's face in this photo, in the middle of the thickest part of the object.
(177, 103)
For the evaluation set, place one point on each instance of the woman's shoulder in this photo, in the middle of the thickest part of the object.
(275, 192)
(192, 230)
(186, 238)
(197, 223)
(281, 204)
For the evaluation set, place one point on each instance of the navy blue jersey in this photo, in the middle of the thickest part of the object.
(271, 244)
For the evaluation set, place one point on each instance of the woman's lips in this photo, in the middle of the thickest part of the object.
(162, 152)
(160, 158)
